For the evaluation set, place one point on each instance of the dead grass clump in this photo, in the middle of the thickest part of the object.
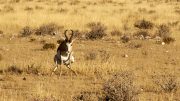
(26, 31)
(79, 34)
(74, 2)
(125, 38)
(14, 1)
(105, 56)
(1, 72)
(168, 40)
(177, 11)
(33, 70)
(141, 34)
(48, 29)
(134, 45)
(106, 1)
(8, 8)
(97, 31)
(143, 24)
(32, 40)
(46, 98)
(14, 70)
(91, 56)
(38, 7)
(61, 10)
(1, 57)
(43, 41)
(1, 32)
(116, 33)
(167, 83)
(47, 46)
(86, 96)
(120, 87)
(163, 31)
(28, 9)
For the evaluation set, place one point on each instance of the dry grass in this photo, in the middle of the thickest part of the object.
(25, 69)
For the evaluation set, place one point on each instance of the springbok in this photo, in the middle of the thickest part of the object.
(64, 53)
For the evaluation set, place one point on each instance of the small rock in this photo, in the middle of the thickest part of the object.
(163, 43)
(125, 56)
(24, 78)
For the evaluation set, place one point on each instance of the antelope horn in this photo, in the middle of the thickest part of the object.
(65, 34)
(71, 35)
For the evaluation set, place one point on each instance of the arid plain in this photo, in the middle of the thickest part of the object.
(125, 50)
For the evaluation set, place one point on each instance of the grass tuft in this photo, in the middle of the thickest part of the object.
(14, 70)
(33, 70)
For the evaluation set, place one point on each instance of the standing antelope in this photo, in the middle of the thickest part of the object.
(64, 53)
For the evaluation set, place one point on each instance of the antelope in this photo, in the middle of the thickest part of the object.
(64, 53)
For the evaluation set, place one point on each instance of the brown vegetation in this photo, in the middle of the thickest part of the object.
(116, 28)
(47, 46)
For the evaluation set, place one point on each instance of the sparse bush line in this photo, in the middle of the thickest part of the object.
(15, 70)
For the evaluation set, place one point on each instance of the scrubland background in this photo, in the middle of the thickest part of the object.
(125, 50)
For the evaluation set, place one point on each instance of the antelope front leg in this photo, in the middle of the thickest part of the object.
(68, 66)
(55, 68)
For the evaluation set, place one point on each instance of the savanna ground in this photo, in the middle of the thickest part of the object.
(119, 64)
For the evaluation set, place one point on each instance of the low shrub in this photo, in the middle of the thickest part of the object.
(14, 70)
(143, 24)
(32, 40)
(48, 29)
(86, 96)
(134, 45)
(8, 8)
(168, 40)
(116, 33)
(125, 38)
(120, 87)
(1, 32)
(26, 31)
(1, 57)
(163, 31)
(167, 83)
(97, 31)
(47, 46)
